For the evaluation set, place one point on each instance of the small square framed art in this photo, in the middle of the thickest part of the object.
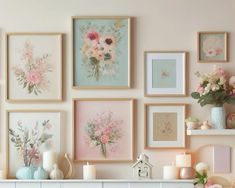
(164, 126)
(34, 67)
(212, 47)
(165, 73)
(103, 130)
(101, 52)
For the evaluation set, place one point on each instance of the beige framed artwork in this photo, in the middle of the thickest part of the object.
(101, 52)
(103, 130)
(212, 47)
(165, 73)
(164, 126)
(34, 67)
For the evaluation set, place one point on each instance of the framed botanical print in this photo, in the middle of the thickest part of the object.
(164, 126)
(103, 130)
(212, 47)
(101, 52)
(165, 73)
(34, 67)
(29, 133)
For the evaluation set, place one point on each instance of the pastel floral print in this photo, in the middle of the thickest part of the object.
(32, 72)
(213, 46)
(28, 143)
(99, 49)
(102, 131)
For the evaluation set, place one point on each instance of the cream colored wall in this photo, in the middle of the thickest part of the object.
(157, 25)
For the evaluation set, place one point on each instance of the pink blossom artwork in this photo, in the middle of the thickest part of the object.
(34, 67)
(222, 159)
(103, 130)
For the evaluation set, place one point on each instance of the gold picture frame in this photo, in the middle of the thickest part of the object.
(164, 125)
(120, 114)
(213, 46)
(39, 79)
(88, 72)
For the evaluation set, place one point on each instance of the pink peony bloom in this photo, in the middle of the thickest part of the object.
(104, 139)
(107, 130)
(33, 77)
(200, 89)
(93, 35)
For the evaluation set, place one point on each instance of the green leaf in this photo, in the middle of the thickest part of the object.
(195, 95)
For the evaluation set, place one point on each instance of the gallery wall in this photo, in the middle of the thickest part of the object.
(157, 25)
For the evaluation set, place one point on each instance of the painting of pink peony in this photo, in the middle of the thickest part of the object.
(212, 46)
(102, 129)
(101, 52)
(34, 67)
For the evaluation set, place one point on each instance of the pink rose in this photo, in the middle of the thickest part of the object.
(107, 130)
(93, 35)
(200, 89)
(33, 77)
(104, 139)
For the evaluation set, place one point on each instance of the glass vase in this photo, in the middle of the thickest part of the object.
(218, 117)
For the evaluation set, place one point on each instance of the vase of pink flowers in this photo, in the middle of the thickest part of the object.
(215, 88)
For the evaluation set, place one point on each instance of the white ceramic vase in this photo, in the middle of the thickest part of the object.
(218, 117)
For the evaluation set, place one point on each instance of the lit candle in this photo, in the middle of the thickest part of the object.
(170, 172)
(183, 160)
(89, 172)
(49, 159)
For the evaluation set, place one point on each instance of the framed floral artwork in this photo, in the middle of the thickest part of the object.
(212, 47)
(34, 67)
(101, 52)
(164, 126)
(29, 133)
(103, 130)
(165, 73)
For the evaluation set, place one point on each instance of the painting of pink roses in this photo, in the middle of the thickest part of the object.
(212, 47)
(101, 52)
(34, 65)
(103, 130)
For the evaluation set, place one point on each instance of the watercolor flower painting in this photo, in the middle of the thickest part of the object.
(213, 46)
(99, 49)
(28, 142)
(102, 131)
(32, 71)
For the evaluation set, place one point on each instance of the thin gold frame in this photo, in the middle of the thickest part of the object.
(185, 64)
(129, 53)
(226, 47)
(132, 126)
(60, 98)
(146, 106)
(7, 132)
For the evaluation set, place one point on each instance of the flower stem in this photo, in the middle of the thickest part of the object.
(103, 149)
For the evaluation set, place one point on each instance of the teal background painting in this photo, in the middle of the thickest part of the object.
(87, 71)
(164, 73)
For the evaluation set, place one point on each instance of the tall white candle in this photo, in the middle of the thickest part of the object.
(49, 159)
(89, 172)
(170, 172)
(183, 160)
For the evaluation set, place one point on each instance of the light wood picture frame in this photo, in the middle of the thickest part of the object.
(164, 126)
(41, 125)
(213, 47)
(34, 67)
(101, 52)
(103, 130)
(165, 73)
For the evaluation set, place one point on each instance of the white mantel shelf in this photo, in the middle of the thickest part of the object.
(98, 181)
(211, 132)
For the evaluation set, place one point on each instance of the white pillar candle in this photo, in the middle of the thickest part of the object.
(49, 159)
(89, 172)
(183, 160)
(170, 172)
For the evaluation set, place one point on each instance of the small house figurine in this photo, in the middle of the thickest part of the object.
(142, 169)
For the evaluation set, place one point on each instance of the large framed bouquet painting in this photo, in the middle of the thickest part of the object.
(29, 134)
(101, 52)
(103, 130)
(34, 67)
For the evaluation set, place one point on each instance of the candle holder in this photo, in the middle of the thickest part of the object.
(187, 173)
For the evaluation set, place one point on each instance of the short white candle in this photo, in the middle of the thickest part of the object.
(183, 160)
(89, 172)
(170, 172)
(49, 159)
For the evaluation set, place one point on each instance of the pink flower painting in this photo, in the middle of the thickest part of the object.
(32, 71)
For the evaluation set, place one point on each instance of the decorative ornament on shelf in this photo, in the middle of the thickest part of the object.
(183, 161)
(215, 88)
(192, 123)
(206, 125)
(56, 173)
(142, 169)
